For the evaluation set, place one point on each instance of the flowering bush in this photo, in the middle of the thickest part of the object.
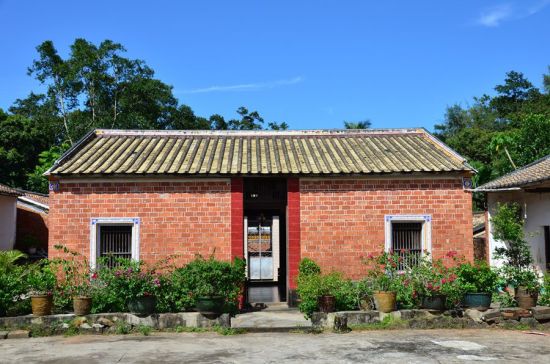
(125, 280)
(432, 277)
(384, 274)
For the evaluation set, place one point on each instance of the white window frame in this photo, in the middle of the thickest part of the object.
(426, 221)
(95, 225)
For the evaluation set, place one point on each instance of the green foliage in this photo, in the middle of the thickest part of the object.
(114, 285)
(504, 298)
(365, 124)
(207, 277)
(122, 328)
(383, 273)
(476, 278)
(144, 330)
(95, 86)
(516, 255)
(544, 297)
(41, 278)
(496, 133)
(13, 284)
(312, 284)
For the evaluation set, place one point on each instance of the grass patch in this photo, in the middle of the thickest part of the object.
(144, 330)
(387, 323)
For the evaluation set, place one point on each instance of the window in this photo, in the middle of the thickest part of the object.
(408, 235)
(114, 238)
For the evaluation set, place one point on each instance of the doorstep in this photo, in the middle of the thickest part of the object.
(273, 319)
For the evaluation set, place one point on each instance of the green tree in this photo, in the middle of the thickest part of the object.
(364, 124)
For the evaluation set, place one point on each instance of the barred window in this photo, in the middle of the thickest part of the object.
(114, 238)
(407, 241)
(409, 236)
(115, 241)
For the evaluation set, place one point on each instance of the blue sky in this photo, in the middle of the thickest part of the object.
(312, 64)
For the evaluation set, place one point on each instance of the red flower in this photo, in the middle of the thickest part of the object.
(94, 276)
(451, 254)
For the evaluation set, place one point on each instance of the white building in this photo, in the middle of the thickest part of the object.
(8, 216)
(528, 186)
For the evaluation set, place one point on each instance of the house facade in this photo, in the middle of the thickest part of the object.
(271, 197)
(8, 216)
(529, 187)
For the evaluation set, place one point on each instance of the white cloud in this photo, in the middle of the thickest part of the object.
(494, 16)
(246, 86)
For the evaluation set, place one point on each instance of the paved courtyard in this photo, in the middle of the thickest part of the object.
(434, 346)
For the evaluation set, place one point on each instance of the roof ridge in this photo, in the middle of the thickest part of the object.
(385, 131)
(516, 171)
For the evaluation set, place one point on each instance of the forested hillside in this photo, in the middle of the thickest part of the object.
(96, 86)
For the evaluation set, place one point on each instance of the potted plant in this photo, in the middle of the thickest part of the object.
(74, 280)
(328, 285)
(478, 282)
(384, 278)
(527, 288)
(41, 281)
(517, 267)
(434, 283)
(214, 286)
(141, 286)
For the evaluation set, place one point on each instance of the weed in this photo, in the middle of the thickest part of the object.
(122, 328)
(387, 323)
(144, 330)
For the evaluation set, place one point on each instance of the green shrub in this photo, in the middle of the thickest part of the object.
(13, 287)
(476, 278)
(41, 278)
(312, 284)
(207, 277)
(544, 298)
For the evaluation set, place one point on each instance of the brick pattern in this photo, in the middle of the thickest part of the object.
(294, 223)
(186, 218)
(343, 220)
(237, 223)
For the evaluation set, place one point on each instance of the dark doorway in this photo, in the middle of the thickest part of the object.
(265, 239)
(547, 246)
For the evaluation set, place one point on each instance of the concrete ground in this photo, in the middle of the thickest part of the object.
(270, 319)
(407, 346)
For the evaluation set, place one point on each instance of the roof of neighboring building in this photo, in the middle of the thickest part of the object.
(536, 172)
(8, 191)
(34, 198)
(215, 153)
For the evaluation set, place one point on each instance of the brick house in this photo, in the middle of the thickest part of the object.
(272, 197)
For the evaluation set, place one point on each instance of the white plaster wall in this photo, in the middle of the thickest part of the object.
(536, 210)
(8, 220)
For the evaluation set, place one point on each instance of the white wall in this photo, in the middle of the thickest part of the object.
(536, 210)
(8, 220)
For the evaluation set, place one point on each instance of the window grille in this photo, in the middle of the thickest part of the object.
(407, 242)
(115, 241)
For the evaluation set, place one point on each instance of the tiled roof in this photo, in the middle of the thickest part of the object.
(37, 197)
(8, 191)
(536, 172)
(215, 153)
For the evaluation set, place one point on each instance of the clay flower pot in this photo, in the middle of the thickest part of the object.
(526, 299)
(327, 303)
(385, 301)
(82, 305)
(42, 304)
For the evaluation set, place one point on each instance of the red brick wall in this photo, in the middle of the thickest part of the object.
(184, 218)
(343, 220)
